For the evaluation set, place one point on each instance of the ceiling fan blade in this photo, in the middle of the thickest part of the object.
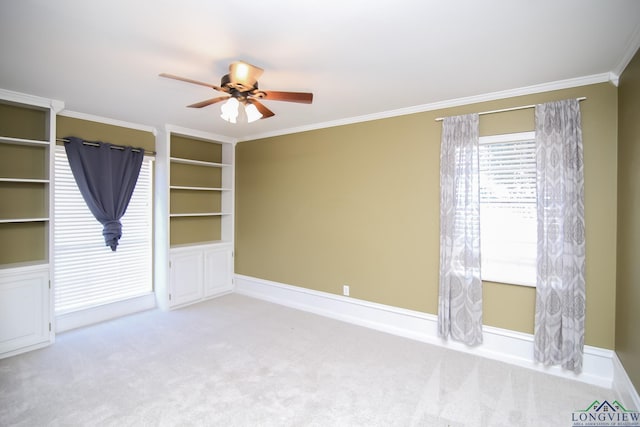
(266, 113)
(301, 97)
(208, 102)
(184, 79)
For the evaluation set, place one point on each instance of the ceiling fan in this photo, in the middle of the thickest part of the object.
(241, 86)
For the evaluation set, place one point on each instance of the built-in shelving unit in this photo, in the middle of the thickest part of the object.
(25, 190)
(27, 129)
(194, 182)
(27, 139)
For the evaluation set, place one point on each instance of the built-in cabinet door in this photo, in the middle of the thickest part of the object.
(24, 310)
(200, 272)
(217, 271)
(186, 277)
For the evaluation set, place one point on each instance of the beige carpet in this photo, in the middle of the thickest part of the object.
(237, 361)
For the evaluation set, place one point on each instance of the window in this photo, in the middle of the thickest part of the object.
(508, 218)
(88, 273)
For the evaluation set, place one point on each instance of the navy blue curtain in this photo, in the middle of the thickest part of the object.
(106, 178)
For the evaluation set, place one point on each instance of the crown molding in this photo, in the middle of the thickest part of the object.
(629, 52)
(38, 101)
(510, 93)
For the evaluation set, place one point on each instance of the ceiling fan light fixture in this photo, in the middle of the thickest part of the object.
(252, 113)
(230, 110)
(244, 74)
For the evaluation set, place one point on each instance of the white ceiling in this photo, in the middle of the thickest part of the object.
(360, 58)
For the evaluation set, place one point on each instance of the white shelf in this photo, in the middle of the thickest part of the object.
(178, 215)
(198, 162)
(207, 244)
(21, 141)
(27, 265)
(25, 180)
(182, 187)
(17, 220)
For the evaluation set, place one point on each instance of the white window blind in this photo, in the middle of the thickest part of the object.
(88, 273)
(508, 218)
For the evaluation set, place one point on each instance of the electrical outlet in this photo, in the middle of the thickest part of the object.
(345, 290)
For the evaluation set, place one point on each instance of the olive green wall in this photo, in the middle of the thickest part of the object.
(24, 123)
(628, 286)
(28, 242)
(359, 205)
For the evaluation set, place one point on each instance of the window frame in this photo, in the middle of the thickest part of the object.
(493, 275)
(147, 245)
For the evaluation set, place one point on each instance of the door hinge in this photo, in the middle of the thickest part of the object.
(49, 284)
(169, 264)
(49, 326)
(169, 297)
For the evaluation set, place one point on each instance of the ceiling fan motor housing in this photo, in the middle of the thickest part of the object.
(237, 89)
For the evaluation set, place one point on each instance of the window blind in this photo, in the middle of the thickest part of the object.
(87, 273)
(508, 218)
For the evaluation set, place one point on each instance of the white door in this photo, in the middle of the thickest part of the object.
(186, 277)
(217, 276)
(25, 310)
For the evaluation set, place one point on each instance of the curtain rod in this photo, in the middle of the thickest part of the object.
(114, 146)
(503, 110)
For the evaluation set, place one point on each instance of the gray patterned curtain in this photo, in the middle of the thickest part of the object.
(460, 295)
(560, 291)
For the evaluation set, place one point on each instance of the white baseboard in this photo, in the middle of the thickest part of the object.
(623, 387)
(78, 319)
(499, 344)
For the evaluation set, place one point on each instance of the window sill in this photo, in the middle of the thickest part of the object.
(507, 280)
